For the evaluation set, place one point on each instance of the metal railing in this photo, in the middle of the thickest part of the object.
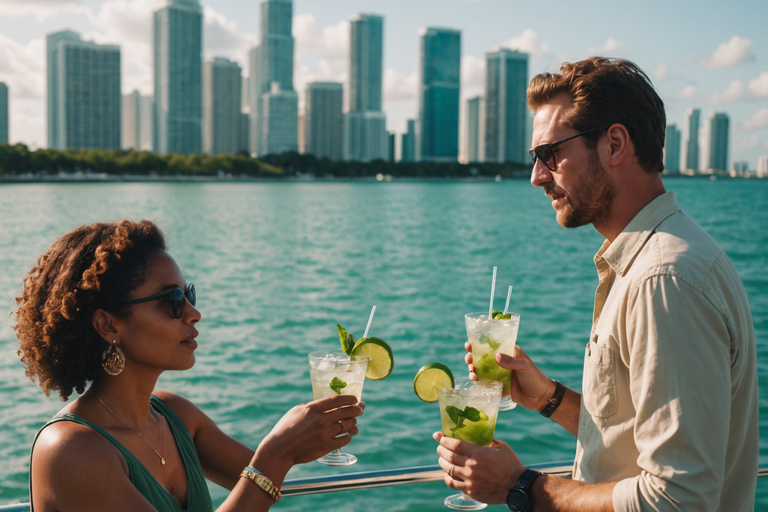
(381, 478)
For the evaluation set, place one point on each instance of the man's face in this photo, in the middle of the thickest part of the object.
(581, 190)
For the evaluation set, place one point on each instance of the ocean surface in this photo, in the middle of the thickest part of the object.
(277, 265)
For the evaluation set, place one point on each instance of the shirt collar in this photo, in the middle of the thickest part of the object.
(622, 252)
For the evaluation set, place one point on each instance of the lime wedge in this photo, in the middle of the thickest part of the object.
(429, 378)
(380, 359)
(347, 340)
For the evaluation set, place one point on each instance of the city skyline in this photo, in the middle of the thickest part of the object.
(695, 56)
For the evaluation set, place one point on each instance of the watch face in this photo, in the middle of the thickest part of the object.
(517, 501)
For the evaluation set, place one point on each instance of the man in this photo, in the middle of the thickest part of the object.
(668, 414)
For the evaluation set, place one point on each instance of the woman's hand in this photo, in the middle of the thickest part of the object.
(311, 430)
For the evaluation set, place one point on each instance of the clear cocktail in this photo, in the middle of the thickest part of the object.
(332, 372)
(488, 338)
(468, 411)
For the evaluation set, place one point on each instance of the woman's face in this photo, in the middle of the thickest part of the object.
(150, 336)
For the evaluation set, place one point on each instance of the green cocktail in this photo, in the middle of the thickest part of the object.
(488, 338)
(468, 412)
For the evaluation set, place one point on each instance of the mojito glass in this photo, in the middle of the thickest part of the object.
(333, 373)
(488, 338)
(468, 411)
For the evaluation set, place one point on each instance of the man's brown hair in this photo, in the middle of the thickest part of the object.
(604, 92)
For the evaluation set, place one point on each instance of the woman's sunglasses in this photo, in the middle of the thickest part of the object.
(177, 298)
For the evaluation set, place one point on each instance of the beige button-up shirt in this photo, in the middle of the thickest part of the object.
(669, 404)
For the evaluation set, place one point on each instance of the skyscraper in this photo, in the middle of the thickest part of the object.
(137, 122)
(672, 149)
(222, 96)
(718, 141)
(3, 113)
(84, 101)
(324, 120)
(437, 131)
(475, 129)
(692, 144)
(365, 123)
(506, 82)
(408, 143)
(178, 75)
(271, 74)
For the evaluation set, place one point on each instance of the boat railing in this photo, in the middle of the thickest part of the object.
(379, 478)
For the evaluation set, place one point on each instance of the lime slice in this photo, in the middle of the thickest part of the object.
(429, 378)
(347, 340)
(380, 359)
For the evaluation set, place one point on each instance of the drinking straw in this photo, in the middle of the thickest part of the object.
(509, 294)
(493, 290)
(373, 310)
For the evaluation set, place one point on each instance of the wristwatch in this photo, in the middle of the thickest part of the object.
(518, 498)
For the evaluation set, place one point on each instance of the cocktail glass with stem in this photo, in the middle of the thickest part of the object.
(488, 338)
(334, 373)
(468, 411)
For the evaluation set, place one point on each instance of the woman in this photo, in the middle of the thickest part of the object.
(106, 304)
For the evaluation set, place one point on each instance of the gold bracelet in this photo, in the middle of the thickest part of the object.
(255, 476)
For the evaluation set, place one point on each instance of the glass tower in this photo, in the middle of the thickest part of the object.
(324, 120)
(222, 83)
(3, 113)
(271, 73)
(506, 82)
(672, 149)
(437, 131)
(84, 101)
(475, 129)
(692, 144)
(178, 61)
(718, 141)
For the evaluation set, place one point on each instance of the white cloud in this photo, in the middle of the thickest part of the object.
(41, 10)
(738, 49)
(332, 42)
(398, 86)
(759, 86)
(23, 71)
(472, 76)
(758, 120)
(734, 92)
(661, 72)
(527, 42)
(689, 92)
(610, 48)
(223, 38)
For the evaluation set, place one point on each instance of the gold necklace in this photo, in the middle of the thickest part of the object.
(162, 459)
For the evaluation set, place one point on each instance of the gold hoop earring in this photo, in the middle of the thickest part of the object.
(113, 359)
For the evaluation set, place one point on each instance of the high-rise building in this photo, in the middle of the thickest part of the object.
(391, 146)
(437, 130)
(475, 130)
(324, 120)
(719, 125)
(672, 149)
(762, 166)
(692, 143)
(84, 101)
(178, 75)
(3, 113)
(271, 73)
(137, 122)
(506, 83)
(222, 96)
(408, 143)
(363, 120)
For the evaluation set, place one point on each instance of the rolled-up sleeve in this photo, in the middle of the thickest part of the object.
(679, 357)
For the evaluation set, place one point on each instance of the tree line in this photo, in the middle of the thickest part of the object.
(17, 160)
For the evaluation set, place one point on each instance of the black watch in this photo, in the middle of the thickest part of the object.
(518, 498)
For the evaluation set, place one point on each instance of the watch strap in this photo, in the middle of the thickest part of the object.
(555, 401)
(523, 486)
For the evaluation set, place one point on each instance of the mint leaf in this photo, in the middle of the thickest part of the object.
(498, 315)
(484, 339)
(471, 414)
(337, 385)
(493, 343)
(346, 339)
(495, 313)
(454, 413)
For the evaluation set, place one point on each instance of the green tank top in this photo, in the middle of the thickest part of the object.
(198, 497)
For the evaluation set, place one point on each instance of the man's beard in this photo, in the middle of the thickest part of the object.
(591, 200)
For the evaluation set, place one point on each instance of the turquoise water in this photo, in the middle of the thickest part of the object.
(276, 265)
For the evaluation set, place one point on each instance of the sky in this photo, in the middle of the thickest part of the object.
(704, 54)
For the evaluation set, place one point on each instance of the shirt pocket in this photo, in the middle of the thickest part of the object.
(599, 382)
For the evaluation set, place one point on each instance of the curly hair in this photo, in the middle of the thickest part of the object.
(91, 267)
(607, 91)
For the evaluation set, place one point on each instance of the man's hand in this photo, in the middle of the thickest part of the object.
(530, 387)
(485, 473)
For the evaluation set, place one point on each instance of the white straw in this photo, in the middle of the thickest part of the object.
(493, 290)
(509, 294)
(370, 318)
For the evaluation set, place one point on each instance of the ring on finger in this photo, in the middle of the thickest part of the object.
(341, 424)
(450, 471)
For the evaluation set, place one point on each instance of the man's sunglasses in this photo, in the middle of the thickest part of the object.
(177, 298)
(546, 152)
